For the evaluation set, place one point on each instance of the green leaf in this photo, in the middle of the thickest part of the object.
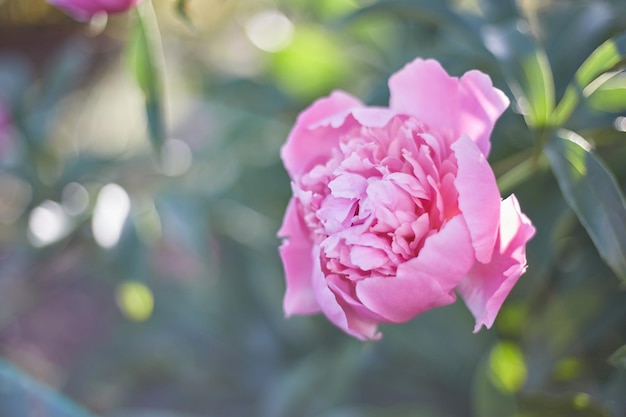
(526, 69)
(144, 55)
(618, 358)
(592, 192)
(607, 57)
(20, 395)
(611, 95)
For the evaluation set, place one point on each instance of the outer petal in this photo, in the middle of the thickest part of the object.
(453, 107)
(424, 282)
(315, 133)
(425, 90)
(296, 253)
(487, 285)
(339, 313)
(479, 197)
(481, 105)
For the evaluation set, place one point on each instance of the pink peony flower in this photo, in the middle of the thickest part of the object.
(394, 209)
(85, 9)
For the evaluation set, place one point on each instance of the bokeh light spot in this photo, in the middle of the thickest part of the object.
(507, 366)
(620, 123)
(175, 158)
(581, 400)
(270, 30)
(135, 300)
(109, 215)
(567, 369)
(47, 224)
(75, 199)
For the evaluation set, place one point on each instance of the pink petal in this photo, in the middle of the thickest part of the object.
(481, 106)
(373, 116)
(85, 9)
(341, 315)
(368, 258)
(451, 106)
(487, 285)
(296, 253)
(316, 133)
(425, 90)
(479, 197)
(424, 282)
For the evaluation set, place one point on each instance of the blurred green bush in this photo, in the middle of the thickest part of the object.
(138, 266)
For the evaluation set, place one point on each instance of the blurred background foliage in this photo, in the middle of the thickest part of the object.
(141, 190)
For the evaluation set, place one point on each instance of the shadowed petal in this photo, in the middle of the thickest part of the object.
(487, 285)
(296, 253)
(479, 197)
(340, 314)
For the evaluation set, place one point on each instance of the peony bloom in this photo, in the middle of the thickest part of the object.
(85, 9)
(394, 209)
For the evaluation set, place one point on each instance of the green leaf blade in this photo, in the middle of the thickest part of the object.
(605, 58)
(142, 52)
(618, 358)
(593, 193)
(526, 68)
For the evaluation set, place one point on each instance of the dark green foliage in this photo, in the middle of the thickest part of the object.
(201, 332)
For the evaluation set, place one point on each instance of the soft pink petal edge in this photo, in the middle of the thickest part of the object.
(487, 285)
(481, 106)
(479, 197)
(309, 142)
(470, 105)
(422, 88)
(296, 254)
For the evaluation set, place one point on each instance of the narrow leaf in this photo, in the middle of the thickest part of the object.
(526, 68)
(607, 57)
(611, 95)
(592, 192)
(144, 58)
(618, 358)
(20, 395)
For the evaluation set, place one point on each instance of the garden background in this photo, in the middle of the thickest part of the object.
(141, 190)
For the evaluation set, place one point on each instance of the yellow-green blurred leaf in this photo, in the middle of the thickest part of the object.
(611, 95)
(605, 58)
(526, 68)
(143, 52)
(313, 64)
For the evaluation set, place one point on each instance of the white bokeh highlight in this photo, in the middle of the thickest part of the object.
(109, 215)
